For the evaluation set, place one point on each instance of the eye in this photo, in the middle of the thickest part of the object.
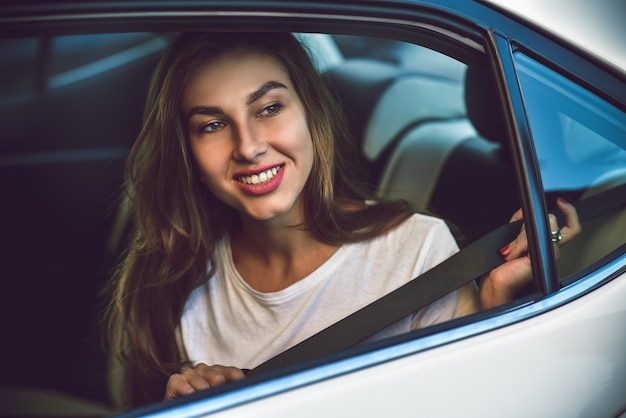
(271, 110)
(211, 127)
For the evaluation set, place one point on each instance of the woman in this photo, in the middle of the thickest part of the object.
(252, 232)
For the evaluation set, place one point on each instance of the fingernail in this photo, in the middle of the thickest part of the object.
(562, 201)
(504, 249)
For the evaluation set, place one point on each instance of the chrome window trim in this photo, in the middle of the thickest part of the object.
(204, 14)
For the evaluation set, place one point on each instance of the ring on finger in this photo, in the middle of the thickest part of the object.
(556, 236)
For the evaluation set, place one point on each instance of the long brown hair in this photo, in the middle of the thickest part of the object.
(178, 221)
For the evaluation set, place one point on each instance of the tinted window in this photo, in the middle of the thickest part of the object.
(580, 141)
(36, 64)
(18, 63)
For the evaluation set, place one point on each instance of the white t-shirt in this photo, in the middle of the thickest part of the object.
(227, 322)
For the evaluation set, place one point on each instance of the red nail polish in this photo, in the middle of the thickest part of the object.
(562, 201)
(503, 249)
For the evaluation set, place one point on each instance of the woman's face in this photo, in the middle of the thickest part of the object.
(249, 136)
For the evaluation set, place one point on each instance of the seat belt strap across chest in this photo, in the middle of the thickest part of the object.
(468, 264)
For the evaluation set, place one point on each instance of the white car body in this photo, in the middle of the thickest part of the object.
(595, 26)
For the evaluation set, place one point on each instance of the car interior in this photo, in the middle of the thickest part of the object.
(430, 131)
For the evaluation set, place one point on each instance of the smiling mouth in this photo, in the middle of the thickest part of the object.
(260, 177)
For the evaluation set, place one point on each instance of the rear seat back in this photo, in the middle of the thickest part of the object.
(382, 102)
(410, 101)
(358, 84)
(476, 190)
(458, 168)
(431, 140)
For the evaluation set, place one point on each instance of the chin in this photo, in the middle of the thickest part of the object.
(273, 214)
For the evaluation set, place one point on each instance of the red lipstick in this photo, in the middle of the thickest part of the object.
(260, 180)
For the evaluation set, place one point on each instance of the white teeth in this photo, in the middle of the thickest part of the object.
(260, 178)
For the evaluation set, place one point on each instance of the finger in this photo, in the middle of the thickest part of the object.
(517, 216)
(217, 374)
(231, 373)
(209, 374)
(177, 385)
(572, 223)
(517, 248)
(196, 379)
(554, 226)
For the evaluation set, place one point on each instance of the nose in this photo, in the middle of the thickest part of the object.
(249, 146)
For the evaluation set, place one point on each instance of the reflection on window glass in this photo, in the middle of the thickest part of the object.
(404, 55)
(18, 67)
(70, 52)
(579, 138)
(76, 58)
(580, 141)
(37, 65)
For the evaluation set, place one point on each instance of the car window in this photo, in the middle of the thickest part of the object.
(32, 65)
(580, 141)
(18, 66)
(401, 54)
(405, 101)
(70, 106)
(407, 107)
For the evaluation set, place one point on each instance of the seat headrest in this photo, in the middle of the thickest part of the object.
(410, 101)
(484, 108)
(381, 100)
(357, 85)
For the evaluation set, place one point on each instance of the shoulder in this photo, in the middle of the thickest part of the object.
(418, 233)
(422, 227)
(389, 260)
(425, 222)
(423, 237)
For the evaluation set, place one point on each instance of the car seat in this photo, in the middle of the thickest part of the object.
(382, 102)
(357, 85)
(476, 189)
(458, 168)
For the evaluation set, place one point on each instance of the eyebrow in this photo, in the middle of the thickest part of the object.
(263, 90)
(204, 110)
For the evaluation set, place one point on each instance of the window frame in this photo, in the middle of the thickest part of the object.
(396, 22)
(591, 76)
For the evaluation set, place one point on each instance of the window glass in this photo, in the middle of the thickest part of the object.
(33, 65)
(75, 58)
(73, 51)
(408, 56)
(580, 141)
(18, 59)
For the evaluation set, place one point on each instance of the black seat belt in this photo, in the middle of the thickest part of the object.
(468, 264)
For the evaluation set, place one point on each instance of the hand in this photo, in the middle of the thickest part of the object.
(503, 282)
(199, 377)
